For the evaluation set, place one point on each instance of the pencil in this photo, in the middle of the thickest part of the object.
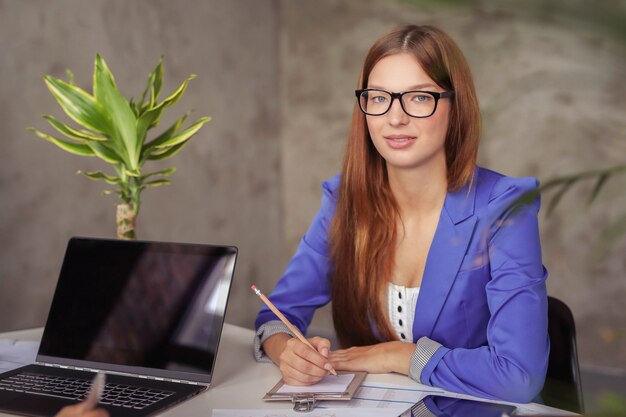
(95, 393)
(282, 318)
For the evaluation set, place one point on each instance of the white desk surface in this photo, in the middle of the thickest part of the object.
(239, 381)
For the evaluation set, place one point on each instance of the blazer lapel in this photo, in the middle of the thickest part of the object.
(449, 245)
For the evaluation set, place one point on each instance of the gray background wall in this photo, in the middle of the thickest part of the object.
(277, 78)
(227, 188)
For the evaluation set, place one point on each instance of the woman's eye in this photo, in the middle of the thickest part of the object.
(378, 99)
(421, 98)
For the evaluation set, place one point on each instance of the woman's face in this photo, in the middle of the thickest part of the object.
(407, 142)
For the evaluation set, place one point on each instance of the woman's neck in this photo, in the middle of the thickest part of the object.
(419, 191)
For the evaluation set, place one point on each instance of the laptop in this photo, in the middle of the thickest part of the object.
(147, 314)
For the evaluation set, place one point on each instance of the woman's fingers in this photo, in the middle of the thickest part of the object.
(301, 365)
(322, 345)
(80, 410)
(348, 359)
(293, 376)
(380, 358)
(305, 359)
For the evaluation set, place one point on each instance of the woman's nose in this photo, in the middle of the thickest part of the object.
(396, 114)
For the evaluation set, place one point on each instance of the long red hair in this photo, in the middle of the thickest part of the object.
(363, 229)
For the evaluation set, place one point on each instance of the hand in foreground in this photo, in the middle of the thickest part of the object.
(82, 410)
(298, 363)
(375, 359)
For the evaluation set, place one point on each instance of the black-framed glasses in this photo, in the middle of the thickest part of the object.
(420, 104)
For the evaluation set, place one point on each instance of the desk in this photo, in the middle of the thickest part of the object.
(239, 381)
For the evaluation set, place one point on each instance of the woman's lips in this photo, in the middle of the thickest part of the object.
(400, 141)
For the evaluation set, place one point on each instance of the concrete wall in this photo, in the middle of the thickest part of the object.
(226, 189)
(277, 77)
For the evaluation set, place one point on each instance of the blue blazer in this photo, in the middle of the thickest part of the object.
(483, 293)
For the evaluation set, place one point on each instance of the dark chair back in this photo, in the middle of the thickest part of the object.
(563, 387)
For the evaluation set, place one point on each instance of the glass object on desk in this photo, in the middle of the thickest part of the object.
(439, 406)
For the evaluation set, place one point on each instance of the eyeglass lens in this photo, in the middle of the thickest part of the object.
(414, 103)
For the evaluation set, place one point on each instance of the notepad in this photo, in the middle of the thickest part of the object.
(341, 387)
(329, 383)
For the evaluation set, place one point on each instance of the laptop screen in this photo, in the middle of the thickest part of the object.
(148, 308)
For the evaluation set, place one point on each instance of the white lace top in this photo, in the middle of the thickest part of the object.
(401, 304)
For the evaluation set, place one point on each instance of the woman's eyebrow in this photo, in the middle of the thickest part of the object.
(410, 88)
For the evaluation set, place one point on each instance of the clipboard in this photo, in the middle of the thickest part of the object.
(306, 400)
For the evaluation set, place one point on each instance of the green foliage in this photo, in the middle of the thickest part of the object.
(115, 129)
(559, 186)
(611, 404)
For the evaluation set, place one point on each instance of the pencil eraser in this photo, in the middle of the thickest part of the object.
(253, 287)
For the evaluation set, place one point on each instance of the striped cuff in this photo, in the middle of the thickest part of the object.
(425, 348)
(421, 410)
(266, 330)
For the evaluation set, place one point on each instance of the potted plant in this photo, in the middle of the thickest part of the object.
(115, 130)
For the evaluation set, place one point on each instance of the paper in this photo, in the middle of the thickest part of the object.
(329, 383)
(317, 412)
(382, 400)
(391, 396)
(536, 409)
(16, 353)
(399, 397)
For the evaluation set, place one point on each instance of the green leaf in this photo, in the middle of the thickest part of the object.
(145, 121)
(70, 76)
(157, 82)
(145, 152)
(78, 105)
(155, 183)
(105, 153)
(176, 95)
(520, 203)
(134, 107)
(166, 153)
(141, 105)
(99, 175)
(150, 118)
(559, 194)
(163, 172)
(599, 184)
(133, 173)
(80, 135)
(184, 135)
(122, 116)
(71, 147)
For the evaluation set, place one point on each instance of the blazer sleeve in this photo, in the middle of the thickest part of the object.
(305, 285)
(512, 366)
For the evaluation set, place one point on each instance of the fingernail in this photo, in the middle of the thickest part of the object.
(324, 352)
(328, 367)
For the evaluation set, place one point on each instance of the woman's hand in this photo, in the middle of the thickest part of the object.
(82, 410)
(298, 363)
(376, 359)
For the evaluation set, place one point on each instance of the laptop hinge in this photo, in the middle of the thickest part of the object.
(155, 378)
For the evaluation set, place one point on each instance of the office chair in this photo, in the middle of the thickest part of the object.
(563, 387)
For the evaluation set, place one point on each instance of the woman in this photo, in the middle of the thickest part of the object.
(82, 410)
(429, 273)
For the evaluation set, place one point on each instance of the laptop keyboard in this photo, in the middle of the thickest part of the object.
(77, 389)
